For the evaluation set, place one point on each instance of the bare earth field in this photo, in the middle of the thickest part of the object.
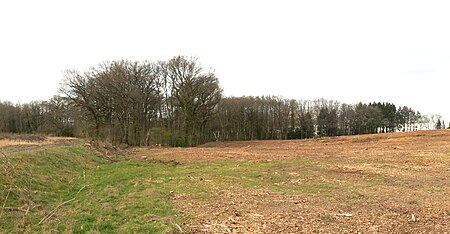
(385, 183)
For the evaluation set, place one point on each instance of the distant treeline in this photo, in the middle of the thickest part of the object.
(178, 103)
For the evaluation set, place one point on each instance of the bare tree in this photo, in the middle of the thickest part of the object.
(195, 93)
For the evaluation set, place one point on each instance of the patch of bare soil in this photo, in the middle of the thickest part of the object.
(412, 194)
(261, 211)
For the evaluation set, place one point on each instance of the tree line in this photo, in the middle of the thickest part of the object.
(272, 117)
(179, 103)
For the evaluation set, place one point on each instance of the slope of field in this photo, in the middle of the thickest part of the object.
(62, 186)
(397, 182)
(37, 176)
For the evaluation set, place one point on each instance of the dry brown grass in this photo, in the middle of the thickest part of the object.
(30, 140)
(16, 142)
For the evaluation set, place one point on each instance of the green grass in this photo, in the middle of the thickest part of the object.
(327, 218)
(135, 196)
(40, 179)
(128, 196)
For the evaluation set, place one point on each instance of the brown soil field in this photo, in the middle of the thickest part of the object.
(383, 183)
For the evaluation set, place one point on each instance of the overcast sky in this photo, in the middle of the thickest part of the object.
(350, 51)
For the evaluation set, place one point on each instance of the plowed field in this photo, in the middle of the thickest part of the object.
(384, 183)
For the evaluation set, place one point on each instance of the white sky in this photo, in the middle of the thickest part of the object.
(350, 51)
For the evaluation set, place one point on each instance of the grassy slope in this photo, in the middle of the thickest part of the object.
(40, 179)
(126, 196)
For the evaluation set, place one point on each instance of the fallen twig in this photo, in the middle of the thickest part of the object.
(84, 176)
(6, 199)
(53, 211)
(81, 189)
(25, 215)
(49, 215)
(28, 209)
(178, 226)
(7, 160)
(345, 215)
(413, 218)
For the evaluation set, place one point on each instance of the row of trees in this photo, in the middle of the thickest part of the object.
(48, 117)
(232, 118)
(272, 117)
(178, 103)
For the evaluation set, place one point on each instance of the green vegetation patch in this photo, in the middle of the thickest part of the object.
(33, 182)
(129, 196)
